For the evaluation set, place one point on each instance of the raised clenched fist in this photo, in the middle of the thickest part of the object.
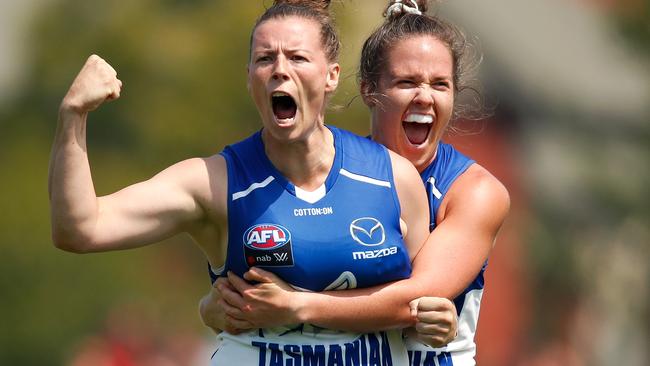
(96, 83)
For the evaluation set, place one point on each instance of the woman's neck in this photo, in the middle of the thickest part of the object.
(306, 162)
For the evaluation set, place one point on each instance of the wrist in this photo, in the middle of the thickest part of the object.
(71, 120)
(69, 108)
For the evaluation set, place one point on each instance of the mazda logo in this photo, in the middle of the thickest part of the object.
(367, 231)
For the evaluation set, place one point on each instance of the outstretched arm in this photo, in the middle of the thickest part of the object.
(139, 214)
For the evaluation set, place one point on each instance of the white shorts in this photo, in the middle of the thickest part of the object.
(307, 348)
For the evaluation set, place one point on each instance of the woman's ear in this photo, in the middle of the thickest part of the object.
(333, 73)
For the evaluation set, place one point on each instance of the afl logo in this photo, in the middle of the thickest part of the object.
(266, 236)
(368, 231)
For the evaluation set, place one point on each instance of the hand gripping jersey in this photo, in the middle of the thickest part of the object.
(438, 177)
(344, 235)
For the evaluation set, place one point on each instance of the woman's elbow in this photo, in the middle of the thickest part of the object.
(72, 243)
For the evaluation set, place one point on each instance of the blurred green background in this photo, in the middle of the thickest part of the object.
(567, 282)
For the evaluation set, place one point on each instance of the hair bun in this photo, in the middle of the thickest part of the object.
(398, 8)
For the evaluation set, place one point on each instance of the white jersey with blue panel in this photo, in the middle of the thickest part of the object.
(438, 177)
(345, 235)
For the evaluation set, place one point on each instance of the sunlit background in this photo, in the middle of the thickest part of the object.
(567, 282)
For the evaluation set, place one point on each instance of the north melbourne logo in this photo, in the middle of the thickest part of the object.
(368, 231)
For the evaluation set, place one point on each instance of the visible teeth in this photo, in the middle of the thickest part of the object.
(419, 118)
(280, 94)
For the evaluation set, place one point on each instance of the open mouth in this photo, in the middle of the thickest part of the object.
(284, 107)
(417, 127)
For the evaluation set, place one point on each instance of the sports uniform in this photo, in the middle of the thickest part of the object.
(344, 235)
(438, 177)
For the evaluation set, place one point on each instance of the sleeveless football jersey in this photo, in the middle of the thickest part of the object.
(346, 236)
(438, 177)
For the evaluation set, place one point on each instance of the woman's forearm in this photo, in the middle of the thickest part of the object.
(72, 194)
(360, 310)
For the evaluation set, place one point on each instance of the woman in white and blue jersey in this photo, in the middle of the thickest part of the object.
(321, 207)
(411, 70)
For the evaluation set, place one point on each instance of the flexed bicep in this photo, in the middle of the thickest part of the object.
(152, 210)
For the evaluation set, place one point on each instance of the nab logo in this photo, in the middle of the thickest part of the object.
(268, 245)
(368, 231)
(266, 236)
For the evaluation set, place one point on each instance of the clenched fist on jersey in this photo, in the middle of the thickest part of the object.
(436, 324)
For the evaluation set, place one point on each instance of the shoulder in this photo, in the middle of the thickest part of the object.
(203, 178)
(406, 177)
(479, 182)
(214, 193)
(479, 191)
(402, 166)
(196, 171)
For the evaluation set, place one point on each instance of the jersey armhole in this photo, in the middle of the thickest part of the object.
(464, 168)
(231, 184)
(218, 272)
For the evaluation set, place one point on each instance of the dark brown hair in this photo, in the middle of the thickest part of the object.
(400, 25)
(317, 10)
